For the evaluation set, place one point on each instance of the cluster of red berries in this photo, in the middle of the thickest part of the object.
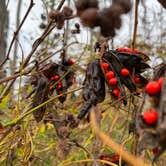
(112, 80)
(136, 79)
(128, 50)
(56, 77)
(153, 88)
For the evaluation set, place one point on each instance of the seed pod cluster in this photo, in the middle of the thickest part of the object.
(115, 69)
(151, 125)
(108, 19)
(60, 16)
(49, 78)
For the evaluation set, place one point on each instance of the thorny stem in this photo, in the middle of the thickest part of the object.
(135, 24)
(17, 31)
(17, 120)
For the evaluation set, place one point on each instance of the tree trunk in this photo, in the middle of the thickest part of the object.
(3, 31)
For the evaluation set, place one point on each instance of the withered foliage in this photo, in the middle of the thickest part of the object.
(49, 78)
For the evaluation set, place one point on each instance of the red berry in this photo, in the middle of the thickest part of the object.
(51, 87)
(124, 72)
(110, 75)
(71, 61)
(137, 80)
(155, 150)
(121, 49)
(160, 81)
(136, 51)
(52, 78)
(59, 86)
(60, 92)
(104, 158)
(105, 65)
(56, 77)
(116, 93)
(150, 117)
(115, 158)
(152, 88)
(113, 81)
(128, 50)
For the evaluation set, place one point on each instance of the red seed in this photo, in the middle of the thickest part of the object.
(71, 61)
(51, 87)
(113, 81)
(121, 49)
(104, 158)
(105, 65)
(160, 81)
(114, 158)
(155, 150)
(59, 85)
(52, 78)
(116, 93)
(136, 51)
(128, 50)
(152, 88)
(56, 77)
(137, 80)
(110, 75)
(124, 72)
(150, 117)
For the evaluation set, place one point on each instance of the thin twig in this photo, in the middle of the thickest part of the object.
(135, 24)
(25, 72)
(17, 120)
(17, 31)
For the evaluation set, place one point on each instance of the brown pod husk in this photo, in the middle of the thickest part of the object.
(124, 4)
(67, 11)
(89, 17)
(82, 5)
(39, 97)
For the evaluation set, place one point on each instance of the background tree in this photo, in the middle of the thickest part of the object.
(3, 29)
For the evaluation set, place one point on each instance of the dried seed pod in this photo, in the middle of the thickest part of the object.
(89, 17)
(109, 20)
(94, 87)
(82, 5)
(124, 4)
(40, 96)
(44, 83)
(53, 14)
(67, 11)
(42, 26)
(116, 66)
